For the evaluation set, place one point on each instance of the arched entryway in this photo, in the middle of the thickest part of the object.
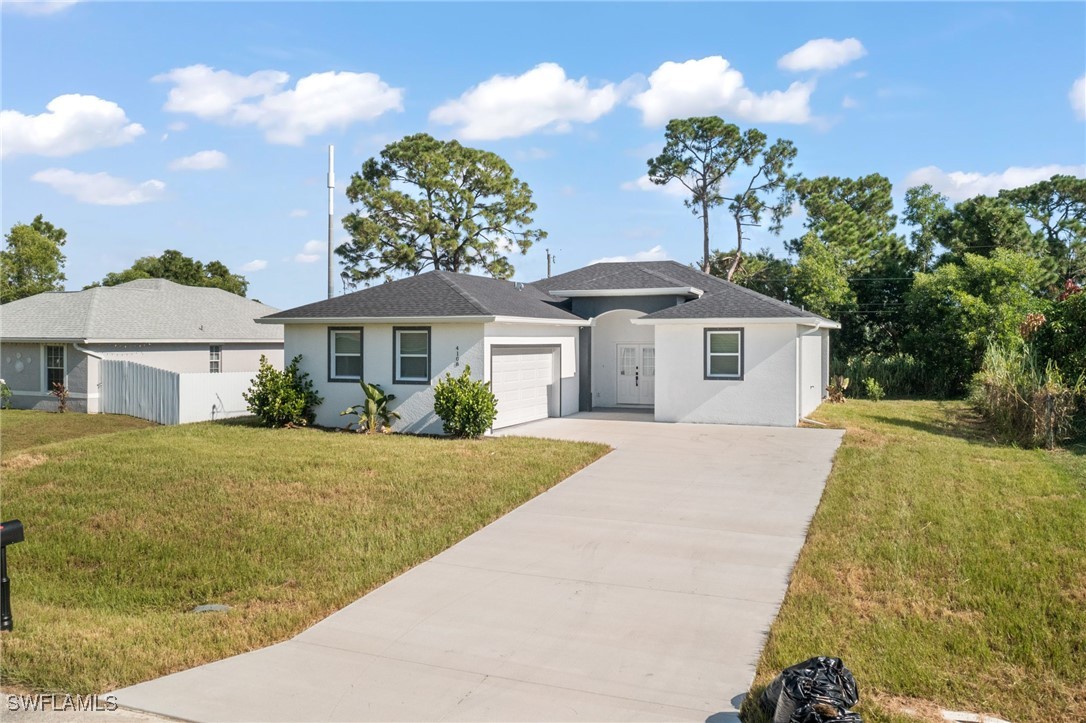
(623, 361)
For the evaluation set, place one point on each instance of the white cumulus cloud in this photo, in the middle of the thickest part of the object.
(287, 116)
(712, 85)
(71, 124)
(200, 161)
(1078, 97)
(543, 98)
(298, 213)
(254, 265)
(100, 189)
(960, 185)
(671, 188)
(822, 54)
(311, 252)
(656, 253)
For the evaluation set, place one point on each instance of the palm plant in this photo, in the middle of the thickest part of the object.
(373, 413)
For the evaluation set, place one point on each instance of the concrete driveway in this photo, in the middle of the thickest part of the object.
(640, 588)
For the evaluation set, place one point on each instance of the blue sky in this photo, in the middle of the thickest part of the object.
(204, 126)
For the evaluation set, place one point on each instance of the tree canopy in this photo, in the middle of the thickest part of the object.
(431, 204)
(32, 262)
(700, 153)
(174, 266)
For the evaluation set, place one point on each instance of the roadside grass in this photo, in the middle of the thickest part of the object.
(21, 429)
(943, 568)
(126, 533)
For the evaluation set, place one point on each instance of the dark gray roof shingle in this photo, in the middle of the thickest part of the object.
(722, 299)
(435, 294)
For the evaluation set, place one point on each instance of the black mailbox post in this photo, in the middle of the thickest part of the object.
(10, 533)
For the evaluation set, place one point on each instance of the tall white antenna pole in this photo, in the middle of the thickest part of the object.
(331, 191)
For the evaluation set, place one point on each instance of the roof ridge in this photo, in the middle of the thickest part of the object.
(445, 276)
(765, 297)
(665, 277)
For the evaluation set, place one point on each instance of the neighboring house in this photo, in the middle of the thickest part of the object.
(68, 336)
(652, 335)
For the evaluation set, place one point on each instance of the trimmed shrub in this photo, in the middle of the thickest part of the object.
(282, 398)
(466, 406)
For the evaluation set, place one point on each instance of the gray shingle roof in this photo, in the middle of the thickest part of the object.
(722, 299)
(146, 309)
(435, 294)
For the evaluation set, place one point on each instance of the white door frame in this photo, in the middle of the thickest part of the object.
(622, 380)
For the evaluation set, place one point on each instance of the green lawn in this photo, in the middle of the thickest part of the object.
(127, 532)
(943, 569)
(21, 429)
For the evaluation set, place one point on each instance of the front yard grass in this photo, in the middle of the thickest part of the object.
(126, 533)
(21, 429)
(944, 569)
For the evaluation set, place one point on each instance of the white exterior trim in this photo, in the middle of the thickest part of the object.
(740, 320)
(547, 322)
(356, 320)
(132, 340)
(661, 291)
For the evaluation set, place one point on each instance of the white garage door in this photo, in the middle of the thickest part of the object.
(521, 381)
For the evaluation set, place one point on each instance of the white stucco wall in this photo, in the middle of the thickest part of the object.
(22, 367)
(414, 402)
(193, 357)
(765, 396)
(566, 337)
(608, 331)
(810, 369)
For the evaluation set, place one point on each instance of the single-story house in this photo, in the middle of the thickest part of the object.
(65, 336)
(656, 336)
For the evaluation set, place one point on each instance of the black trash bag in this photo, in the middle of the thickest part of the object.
(819, 690)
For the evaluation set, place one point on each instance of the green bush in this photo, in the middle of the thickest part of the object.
(873, 390)
(373, 414)
(5, 395)
(282, 398)
(899, 375)
(466, 406)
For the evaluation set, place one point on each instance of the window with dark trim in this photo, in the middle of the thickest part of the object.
(411, 354)
(723, 353)
(215, 359)
(344, 354)
(54, 366)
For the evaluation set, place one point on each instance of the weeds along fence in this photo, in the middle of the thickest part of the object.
(1025, 401)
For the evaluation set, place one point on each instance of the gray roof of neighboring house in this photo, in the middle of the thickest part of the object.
(147, 309)
(435, 294)
(721, 300)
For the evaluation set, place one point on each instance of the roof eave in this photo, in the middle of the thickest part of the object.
(539, 320)
(657, 291)
(702, 321)
(340, 320)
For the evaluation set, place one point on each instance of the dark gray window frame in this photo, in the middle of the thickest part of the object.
(396, 354)
(742, 354)
(330, 367)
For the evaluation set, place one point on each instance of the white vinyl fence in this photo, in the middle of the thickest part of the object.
(170, 397)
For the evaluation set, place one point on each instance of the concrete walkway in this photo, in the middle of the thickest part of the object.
(641, 588)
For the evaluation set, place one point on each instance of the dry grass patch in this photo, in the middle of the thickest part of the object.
(22, 429)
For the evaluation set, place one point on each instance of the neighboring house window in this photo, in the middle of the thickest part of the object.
(411, 355)
(216, 359)
(723, 353)
(344, 355)
(54, 366)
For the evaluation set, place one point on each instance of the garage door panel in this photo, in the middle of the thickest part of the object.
(521, 381)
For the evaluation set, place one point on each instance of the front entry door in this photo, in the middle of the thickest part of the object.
(636, 373)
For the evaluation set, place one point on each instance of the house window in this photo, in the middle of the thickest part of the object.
(411, 355)
(344, 355)
(216, 359)
(54, 366)
(723, 353)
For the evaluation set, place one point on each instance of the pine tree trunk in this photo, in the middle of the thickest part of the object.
(705, 233)
(738, 245)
